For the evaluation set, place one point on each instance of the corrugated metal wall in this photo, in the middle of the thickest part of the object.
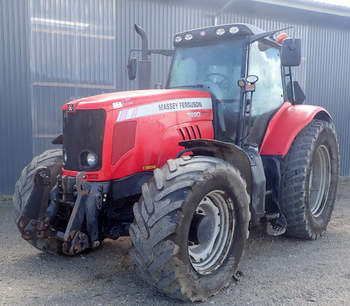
(15, 102)
(328, 83)
(80, 48)
(72, 55)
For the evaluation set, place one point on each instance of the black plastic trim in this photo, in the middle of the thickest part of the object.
(130, 185)
(247, 161)
(83, 131)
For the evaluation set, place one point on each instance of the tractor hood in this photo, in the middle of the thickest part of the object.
(168, 99)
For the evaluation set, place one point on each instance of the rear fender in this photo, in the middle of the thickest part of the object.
(248, 162)
(286, 124)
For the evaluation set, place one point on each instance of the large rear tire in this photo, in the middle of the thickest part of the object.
(191, 227)
(309, 180)
(24, 186)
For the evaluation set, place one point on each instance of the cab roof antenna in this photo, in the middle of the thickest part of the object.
(214, 17)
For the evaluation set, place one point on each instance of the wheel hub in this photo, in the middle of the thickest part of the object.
(211, 232)
(319, 180)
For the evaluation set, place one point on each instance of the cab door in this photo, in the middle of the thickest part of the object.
(264, 61)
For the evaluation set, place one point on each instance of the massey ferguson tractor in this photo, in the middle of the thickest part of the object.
(187, 170)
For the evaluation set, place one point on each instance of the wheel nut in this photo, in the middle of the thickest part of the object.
(95, 244)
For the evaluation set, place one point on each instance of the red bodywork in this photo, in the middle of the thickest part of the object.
(285, 125)
(143, 128)
(148, 126)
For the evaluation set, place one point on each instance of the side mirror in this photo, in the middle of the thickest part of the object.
(291, 52)
(132, 68)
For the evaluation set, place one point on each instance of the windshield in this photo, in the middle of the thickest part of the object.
(215, 67)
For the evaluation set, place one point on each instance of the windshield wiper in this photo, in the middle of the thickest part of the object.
(186, 86)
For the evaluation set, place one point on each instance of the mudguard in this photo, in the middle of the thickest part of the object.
(286, 124)
(248, 162)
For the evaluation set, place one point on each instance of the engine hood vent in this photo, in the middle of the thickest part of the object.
(190, 132)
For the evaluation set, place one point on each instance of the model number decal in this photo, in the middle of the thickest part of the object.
(190, 104)
(194, 114)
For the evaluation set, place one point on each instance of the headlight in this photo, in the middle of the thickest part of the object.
(88, 159)
(188, 36)
(178, 39)
(91, 159)
(234, 30)
(220, 31)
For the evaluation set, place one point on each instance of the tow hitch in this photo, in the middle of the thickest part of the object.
(82, 231)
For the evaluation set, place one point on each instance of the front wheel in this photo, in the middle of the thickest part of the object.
(51, 159)
(309, 180)
(191, 227)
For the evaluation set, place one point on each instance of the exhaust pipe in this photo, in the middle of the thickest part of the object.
(144, 38)
(144, 66)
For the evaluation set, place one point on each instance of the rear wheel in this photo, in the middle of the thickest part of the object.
(51, 159)
(191, 227)
(309, 180)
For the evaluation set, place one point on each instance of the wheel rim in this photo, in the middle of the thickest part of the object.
(211, 232)
(319, 180)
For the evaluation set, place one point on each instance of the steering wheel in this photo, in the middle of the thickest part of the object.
(215, 74)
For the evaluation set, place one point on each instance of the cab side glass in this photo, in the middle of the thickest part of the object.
(264, 62)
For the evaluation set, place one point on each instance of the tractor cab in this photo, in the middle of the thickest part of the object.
(216, 58)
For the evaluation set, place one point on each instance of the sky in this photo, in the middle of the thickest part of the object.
(335, 2)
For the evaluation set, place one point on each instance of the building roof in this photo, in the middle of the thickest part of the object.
(331, 7)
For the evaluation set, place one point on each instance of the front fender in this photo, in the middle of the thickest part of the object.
(286, 124)
(248, 162)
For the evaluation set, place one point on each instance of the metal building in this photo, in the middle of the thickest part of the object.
(53, 51)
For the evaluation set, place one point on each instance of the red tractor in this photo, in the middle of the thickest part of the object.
(185, 170)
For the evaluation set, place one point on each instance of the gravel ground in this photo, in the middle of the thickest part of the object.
(276, 271)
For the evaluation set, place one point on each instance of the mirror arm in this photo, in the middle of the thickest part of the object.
(291, 83)
(256, 37)
(131, 51)
(165, 52)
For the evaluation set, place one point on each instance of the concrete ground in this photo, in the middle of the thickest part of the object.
(276, 271)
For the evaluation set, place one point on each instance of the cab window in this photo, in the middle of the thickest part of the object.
(264, 61)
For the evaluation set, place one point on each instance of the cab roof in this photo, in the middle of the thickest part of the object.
(216, 33)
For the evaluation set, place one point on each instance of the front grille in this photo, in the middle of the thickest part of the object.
(83, 131)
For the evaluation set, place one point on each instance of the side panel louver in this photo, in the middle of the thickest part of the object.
(190, 132)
